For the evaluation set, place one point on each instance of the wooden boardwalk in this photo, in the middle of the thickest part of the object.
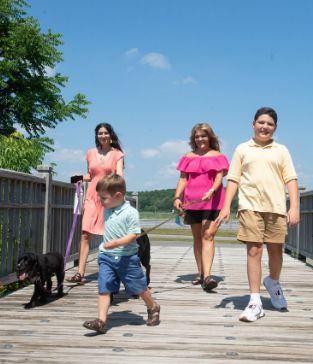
(196, 327)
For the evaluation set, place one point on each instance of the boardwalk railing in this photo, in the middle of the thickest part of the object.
(36, 214)
(300, 239)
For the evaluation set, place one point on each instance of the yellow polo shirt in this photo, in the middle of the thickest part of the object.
(262, 173)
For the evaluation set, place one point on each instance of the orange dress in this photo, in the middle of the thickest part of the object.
(93, 210)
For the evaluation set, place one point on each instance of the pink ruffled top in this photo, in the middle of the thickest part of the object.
(201, 172)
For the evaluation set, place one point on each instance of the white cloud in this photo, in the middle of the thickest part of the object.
(169, 170)
(174, 147)
(67, 155)
(167, 149)
(186, 81)
(156, 60)
(132, 52)
(150, 153)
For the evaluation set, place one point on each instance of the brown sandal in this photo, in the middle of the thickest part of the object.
(96, 325)
(209, 284)
(198, 280)
(154, 316)
(76, 278)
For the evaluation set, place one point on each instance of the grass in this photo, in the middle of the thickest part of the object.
(187, 232)
(185, 239)
(162, 215)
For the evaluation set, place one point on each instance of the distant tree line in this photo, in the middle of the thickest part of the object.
(162, 201)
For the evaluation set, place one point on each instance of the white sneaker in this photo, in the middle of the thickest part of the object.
(276, 292)
(252, 312)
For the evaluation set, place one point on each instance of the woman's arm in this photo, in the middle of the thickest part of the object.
(87, 177)
(120, 167)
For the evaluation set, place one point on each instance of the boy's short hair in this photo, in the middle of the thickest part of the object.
(268, 111)
(112, 183)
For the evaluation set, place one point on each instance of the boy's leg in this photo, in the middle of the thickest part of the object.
(254, 310)
(149, 301)
(104, 301)
(275, 233)
(153, 308)
(275, 259)
(99, 324)
(271, 283)
(134, 280)
(254, 268)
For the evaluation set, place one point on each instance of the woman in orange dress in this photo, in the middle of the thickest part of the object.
(106, 158)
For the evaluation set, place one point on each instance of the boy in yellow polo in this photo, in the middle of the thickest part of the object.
(261, 168)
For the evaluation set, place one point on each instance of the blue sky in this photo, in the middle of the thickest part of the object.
(154, 68)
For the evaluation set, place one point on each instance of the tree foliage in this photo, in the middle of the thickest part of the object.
(22, 154)
(29, 95)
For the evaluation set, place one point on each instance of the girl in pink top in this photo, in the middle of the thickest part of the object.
(103, 160)
(200, 194)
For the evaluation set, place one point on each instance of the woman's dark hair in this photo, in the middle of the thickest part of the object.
(267, 111)
(213, 140)
(115, 142)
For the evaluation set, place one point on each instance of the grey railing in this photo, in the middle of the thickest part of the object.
(300, 238)
(36, 215)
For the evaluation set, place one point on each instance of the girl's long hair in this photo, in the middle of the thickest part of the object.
(213, 139)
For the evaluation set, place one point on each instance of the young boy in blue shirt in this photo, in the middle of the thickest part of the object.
(118, 260)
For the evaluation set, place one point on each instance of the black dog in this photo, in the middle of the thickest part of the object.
(39, 270)
(144, 248)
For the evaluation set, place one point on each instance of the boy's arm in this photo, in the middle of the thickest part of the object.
(127, 239)
(293, 215)
(231, 189)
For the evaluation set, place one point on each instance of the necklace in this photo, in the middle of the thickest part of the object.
(103, 154)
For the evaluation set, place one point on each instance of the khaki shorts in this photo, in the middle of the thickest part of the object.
(261, 227)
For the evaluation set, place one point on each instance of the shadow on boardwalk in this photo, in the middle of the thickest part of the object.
(196, 327)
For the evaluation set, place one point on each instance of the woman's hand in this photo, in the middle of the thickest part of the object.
(87, 178)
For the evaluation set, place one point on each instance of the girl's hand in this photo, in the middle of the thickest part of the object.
(207, 196)
(178, 205)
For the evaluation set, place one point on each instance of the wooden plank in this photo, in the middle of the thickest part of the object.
(196, 327)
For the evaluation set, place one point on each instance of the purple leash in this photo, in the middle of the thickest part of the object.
(70, 238)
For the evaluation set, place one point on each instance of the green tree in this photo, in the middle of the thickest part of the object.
(29, 95)
(22, 154)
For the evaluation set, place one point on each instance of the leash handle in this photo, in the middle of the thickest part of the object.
(76, 213)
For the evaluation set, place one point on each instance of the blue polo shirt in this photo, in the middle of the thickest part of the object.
(118, 222)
